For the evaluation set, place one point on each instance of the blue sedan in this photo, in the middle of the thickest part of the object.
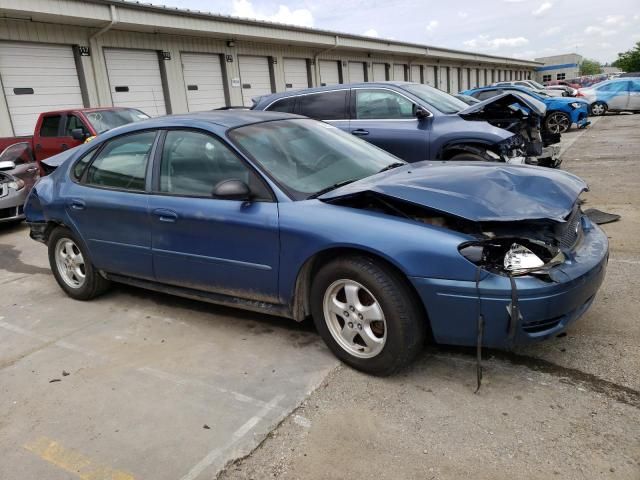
(289, 216)
(562, 112)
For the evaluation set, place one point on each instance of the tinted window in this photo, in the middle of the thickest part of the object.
(122, 163)
(486, 94)
(74, 122)
(286, 105)
(324, 106)
(382, 104)
(193, 163)
(50, 126)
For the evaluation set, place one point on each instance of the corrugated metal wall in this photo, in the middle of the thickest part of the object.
(94, 74)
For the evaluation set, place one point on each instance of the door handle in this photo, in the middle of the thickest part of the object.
(165, 215)
(64, 147)
(32, 170)
(78, 204)
(360, 132)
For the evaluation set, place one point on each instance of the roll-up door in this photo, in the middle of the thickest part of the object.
(296, 75)
(329, 72)
(255, 77)
(37, 78)
(454, 85)
(464, 79)
(399, 72)
(416, 73)
(430, 76)
(379, 72)
(204, 81)
(474, 78)
(356, 72)
(135, 80)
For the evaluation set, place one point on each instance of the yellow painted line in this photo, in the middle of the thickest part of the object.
(74, 462)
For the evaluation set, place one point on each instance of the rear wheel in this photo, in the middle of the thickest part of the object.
(72, 267)
(557, 122)
(367, 315)
(598, 108)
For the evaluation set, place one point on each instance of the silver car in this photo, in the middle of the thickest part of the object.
(618, 95)
(18, 174)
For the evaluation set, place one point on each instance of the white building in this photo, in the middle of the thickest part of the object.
(57, 54)
(559, 67)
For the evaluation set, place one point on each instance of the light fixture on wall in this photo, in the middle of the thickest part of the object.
(231, 43)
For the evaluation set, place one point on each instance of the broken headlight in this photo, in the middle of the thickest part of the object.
(16, 184)
(512, 256)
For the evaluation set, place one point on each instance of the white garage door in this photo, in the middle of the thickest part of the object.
(464, 80)
(356, 72)
(474, 78)
(415, 73)
(255, 77)
(399, 72)
(134, 79)
(379, 72)
(295, 74)
(329, 73)
(37, 78)
(204, 81)
(430, 76)
(454, 86)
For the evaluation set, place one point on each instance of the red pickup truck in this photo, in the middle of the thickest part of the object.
(58, 131)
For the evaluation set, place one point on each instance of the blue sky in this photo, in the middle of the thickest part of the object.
(517, 28)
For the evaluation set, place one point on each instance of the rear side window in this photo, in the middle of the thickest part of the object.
(122, 163)
(324, 106)
(50, 126)
(285, 105)
(81, 165)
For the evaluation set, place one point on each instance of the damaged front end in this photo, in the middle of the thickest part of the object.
(523, 116)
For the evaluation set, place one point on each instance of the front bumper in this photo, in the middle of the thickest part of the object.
(550, 157)
(579, 117)
(547, 307)
(11, 205)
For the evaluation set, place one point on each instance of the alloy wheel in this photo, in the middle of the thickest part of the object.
(70, 263)
(558, 123)
(355, 318)
(598, 109)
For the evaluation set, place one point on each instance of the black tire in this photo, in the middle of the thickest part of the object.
(406, 323)
(94, 283)
(600, 109)
(468, 157)
(557, 122)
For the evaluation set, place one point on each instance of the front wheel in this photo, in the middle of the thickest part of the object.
(72, 267)
(598, 109)
(557, 122)
(367, 315)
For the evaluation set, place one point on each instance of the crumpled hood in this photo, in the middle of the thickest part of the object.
(506, 99)
(477, 191)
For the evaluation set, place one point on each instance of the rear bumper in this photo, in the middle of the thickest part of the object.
(547, 307)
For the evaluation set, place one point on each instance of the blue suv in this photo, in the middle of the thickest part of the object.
(562, 112)
(416, 122)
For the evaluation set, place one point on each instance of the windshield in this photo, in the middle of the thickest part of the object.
(536, 84)
(306, 157)
(103, 120)
(441, 101)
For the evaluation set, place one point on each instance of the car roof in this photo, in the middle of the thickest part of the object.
(222, 118)
(87, 110)
(339, 86)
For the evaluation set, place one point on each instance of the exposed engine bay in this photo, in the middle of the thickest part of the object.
(521, 116)
(510, 248)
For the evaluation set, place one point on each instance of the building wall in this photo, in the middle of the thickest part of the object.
(558, 67)
(94, 72)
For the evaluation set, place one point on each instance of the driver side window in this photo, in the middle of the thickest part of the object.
(193, 163)
(382, 104)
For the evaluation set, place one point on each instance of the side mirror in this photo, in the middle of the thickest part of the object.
(7, 165)
(232, 190)
(78, 134)
(421, 112)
